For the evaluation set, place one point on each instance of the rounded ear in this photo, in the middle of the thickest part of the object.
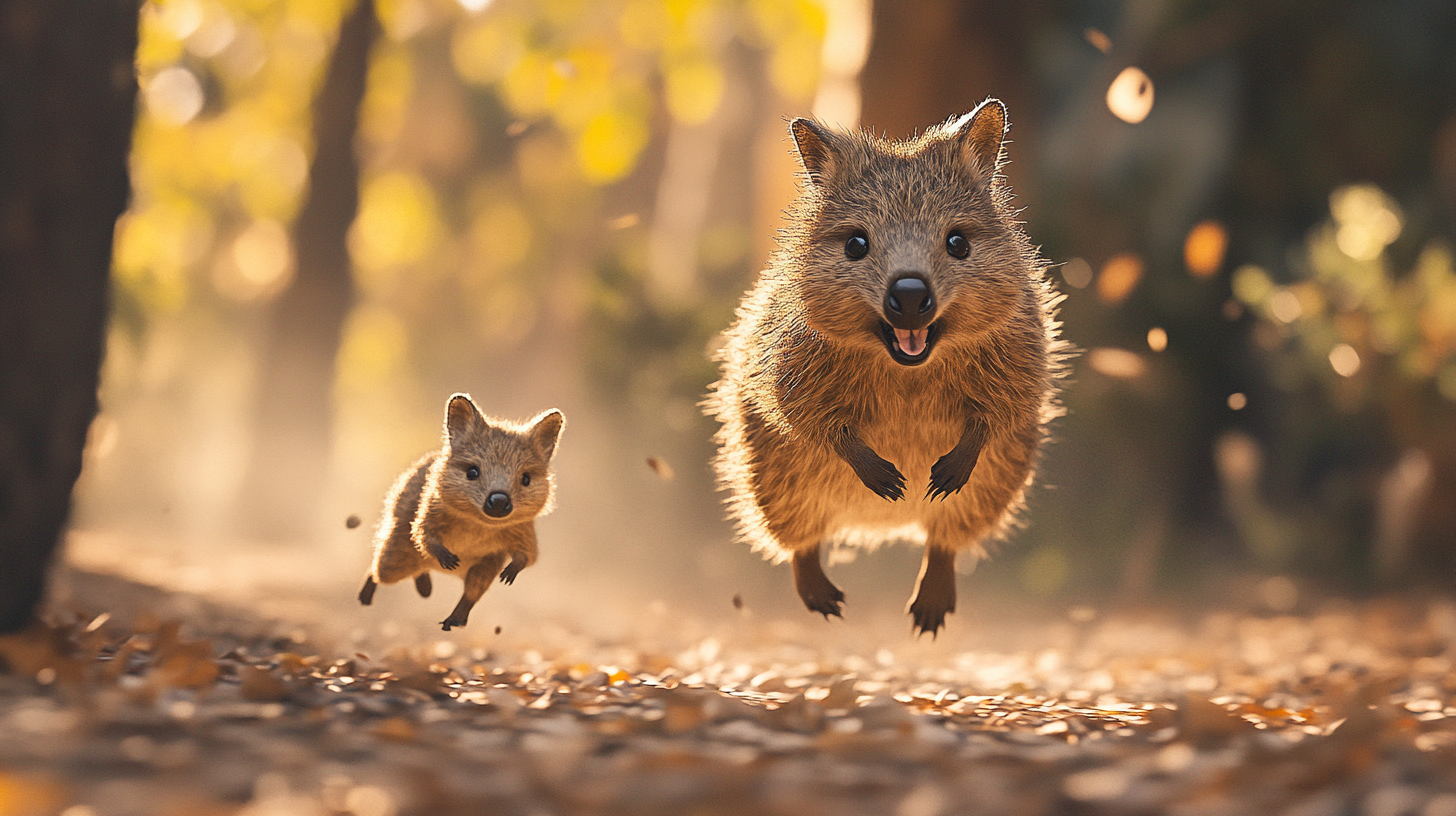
(816, 148)
(462, 419)
(980, 134)
(546, 429)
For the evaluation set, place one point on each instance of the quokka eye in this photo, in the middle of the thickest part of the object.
(857, 246)
(525, 479)
(472, 473)
(957, 245)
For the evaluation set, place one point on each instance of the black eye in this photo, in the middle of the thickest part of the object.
(472, 473)
(857, 246)
(957, 245)
(525, 479)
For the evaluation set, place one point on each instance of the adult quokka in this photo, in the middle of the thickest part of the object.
(892, 373)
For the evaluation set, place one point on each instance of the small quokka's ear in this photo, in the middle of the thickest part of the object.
(546, 429)
(980, 134)
(462, 419)
(816, 148)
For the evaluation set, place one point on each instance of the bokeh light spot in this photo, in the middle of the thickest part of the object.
(398, 222)
(608, 147)
(1366, 220)
(1120, 275)
(1238, 401)
(1345, 360)
(1284, 305)
(1077, 273)
(174, 96)
(1117, 363)
(1130, 96)
(1204, 249)
(1157, 338)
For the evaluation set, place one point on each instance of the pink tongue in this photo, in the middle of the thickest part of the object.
(912, 343)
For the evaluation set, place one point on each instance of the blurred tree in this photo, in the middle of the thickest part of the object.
(67, 95)
(935, 59)
(295, 407)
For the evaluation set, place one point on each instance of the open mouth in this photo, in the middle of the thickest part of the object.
(909, 347)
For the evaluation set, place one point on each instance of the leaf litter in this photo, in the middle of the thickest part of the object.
(1351, 709)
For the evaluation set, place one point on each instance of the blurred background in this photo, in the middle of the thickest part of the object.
(343, 213)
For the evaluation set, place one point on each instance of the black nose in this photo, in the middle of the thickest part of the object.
(909, 304)
(498, 505)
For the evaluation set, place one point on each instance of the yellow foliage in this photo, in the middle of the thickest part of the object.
(533, 84)
(794, 67)
(608, 147)
(694, 88)
(398, 223)
(501, 233)
(484, 51)
(373, 347)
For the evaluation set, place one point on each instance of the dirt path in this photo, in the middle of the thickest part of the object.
(114, 710)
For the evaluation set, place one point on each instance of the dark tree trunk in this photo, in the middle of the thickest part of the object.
(930, 60)
(295, 405)
(67, 97)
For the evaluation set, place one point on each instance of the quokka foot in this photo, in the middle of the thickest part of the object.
(815, 589)
(935, 592)
(366, 594)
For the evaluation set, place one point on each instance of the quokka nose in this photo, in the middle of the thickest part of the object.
(909, 303)
(498, 505)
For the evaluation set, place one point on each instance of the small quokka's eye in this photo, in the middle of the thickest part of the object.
(525, 479)
(957, 245)
(857, 246)
(472, 473)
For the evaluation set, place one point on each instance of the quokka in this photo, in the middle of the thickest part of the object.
(892, 373)
(470, 506)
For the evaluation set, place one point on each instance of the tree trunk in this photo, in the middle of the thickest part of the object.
(294, 413)
(67, 98)
(930, 60)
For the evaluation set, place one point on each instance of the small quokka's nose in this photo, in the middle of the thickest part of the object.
(498, 505)
(909, 303)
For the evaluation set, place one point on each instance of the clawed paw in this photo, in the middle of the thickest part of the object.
(447, 559)
(508, 575)
(826, 599)
(928, 618)
(881, 477)
(949, 474)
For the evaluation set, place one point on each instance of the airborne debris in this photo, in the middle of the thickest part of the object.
(738, 601)
(352, 521)
(661, 468)
(1099, 40)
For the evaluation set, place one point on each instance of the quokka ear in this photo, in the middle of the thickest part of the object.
(817, 149)
(980, 134)
(462, 419)
(546, 429)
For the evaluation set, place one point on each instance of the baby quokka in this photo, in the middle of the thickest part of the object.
(892, 373)
(468, 508)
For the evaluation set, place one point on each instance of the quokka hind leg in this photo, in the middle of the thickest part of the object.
(935, 591)
(366, 595)
(817, 591)
(477, 581)
(423, 585)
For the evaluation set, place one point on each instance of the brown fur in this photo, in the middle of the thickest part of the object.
(818, 418)
(434, 517)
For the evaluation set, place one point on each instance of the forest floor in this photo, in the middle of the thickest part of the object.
(114, 707)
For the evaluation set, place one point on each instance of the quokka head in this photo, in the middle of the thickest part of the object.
(500, 470)
(906, 246)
